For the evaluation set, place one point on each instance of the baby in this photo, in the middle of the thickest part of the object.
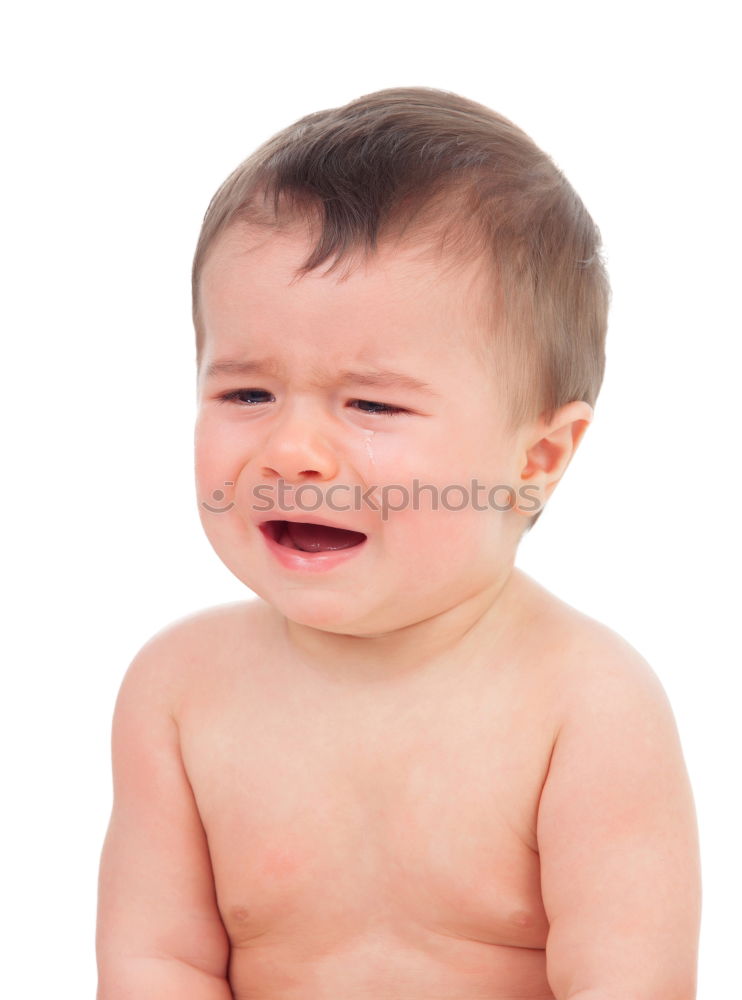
(403, 770)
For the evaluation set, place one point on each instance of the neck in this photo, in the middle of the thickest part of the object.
(419, 646)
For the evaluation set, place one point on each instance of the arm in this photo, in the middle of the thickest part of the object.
(159, 932)
(617, 836)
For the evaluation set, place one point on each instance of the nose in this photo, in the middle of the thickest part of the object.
(297, 449)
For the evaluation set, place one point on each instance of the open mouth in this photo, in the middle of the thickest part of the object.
(308, 537)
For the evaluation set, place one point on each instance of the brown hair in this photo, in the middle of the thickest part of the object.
(435, 170)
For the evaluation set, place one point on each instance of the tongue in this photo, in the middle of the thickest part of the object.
(320, 538)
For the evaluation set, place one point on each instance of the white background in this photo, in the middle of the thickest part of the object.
(119, 124)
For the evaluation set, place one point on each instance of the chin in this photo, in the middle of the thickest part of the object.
(328, 612)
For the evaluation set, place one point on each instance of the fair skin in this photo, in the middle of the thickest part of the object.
(398, 777)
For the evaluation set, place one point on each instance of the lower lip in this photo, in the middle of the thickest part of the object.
(311, 562)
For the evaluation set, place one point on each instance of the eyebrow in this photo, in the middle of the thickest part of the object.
(371, 376)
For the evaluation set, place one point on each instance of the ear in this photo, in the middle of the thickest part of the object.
(547, 450)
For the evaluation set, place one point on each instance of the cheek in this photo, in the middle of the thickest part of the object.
(217, 455)
(216, 475)
(206, 466)
(443, 536)
(399, 458)
(441, 555)
(460, 466)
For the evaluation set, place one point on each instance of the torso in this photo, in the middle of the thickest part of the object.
(372, 843)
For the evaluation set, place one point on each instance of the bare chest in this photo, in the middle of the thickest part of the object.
(344, 826)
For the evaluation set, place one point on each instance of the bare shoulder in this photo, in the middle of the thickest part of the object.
(615, 732)
(585, 661)
(176, 657)
(616, 820)
(216, 626)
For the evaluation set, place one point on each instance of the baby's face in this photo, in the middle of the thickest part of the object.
(303, 421)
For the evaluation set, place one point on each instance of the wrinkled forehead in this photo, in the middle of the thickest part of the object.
(396, 271)
(411, 255)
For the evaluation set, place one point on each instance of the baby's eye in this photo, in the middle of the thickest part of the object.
(237, 394)
(243, 397)
(379, 408)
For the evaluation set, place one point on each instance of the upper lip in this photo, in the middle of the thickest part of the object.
(309, 518)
